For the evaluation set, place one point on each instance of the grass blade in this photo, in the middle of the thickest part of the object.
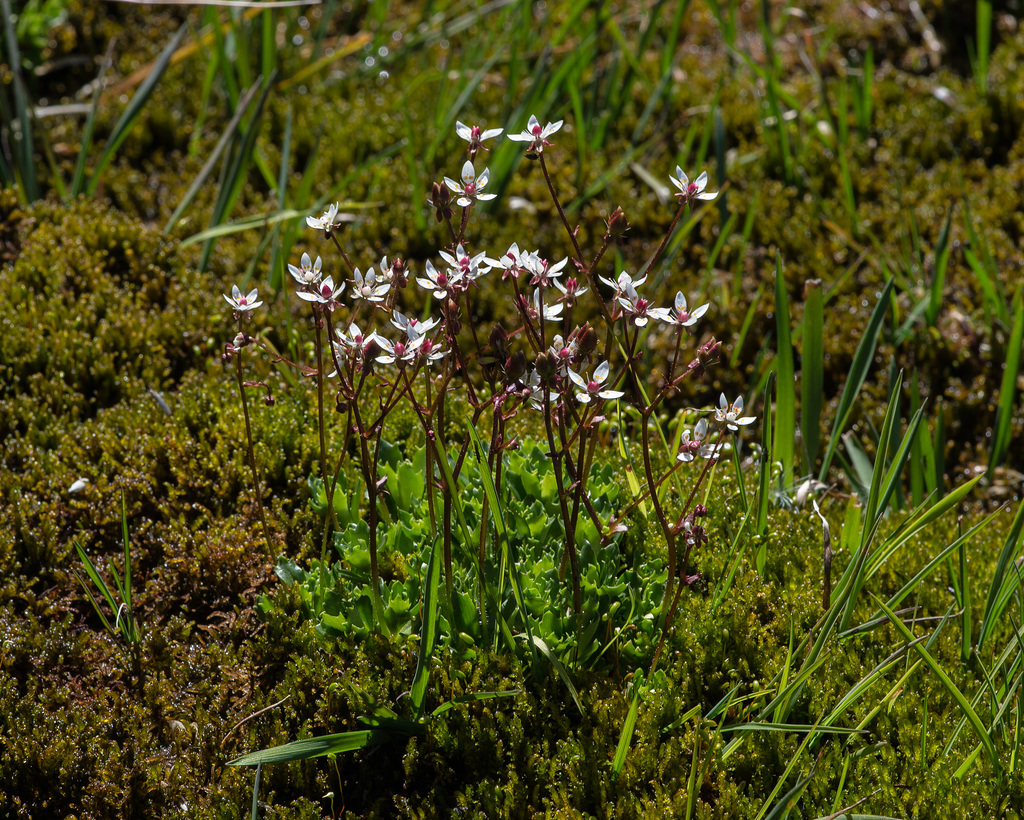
(428, 634)
(949, 685)
(858, 373)
(1003, 582)
(134, 110)
(1008, 387)
(812, 372)
(785, 387)
(315, 747)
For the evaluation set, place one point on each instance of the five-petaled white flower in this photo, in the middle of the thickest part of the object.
(535, 135)
(635, 305)
(623, 281)
(690, 446)
(323, 293)
(469, 267)
(729, 414)
(571, 290)
(307, 273)
(404, 351)
(327, 222)
(366, 287)
(439, 281)
(537, 393)
(563, 352)
(692, 190)
(542, 274)
(471, 185)
(242, 303)
(589, 389)
(679, 315)
(550, 312)
(412, 327)
(475, 136)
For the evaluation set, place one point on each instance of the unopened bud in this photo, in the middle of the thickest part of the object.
(547, 367)
(586, 340)
(515, 367)
(269, 400)
(499, 342)
(616, 223)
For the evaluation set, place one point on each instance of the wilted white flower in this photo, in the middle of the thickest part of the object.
(535, 135)
(79, 485)
(589, 389)
(729, 414)
(307, 273)
(242, 303)
(692, 190)
(471, 185)
(537, 393)
(678, 315)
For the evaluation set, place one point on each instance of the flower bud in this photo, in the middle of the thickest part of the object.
(616, 223)
(515, 367)
(269, 400)
(586, 340)
(499, 342)
(547, 367)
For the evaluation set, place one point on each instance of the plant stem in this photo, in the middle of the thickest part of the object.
(252, 453)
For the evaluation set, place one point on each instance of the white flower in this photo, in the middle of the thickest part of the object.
(242, 303)
(690, 446)
(692, 190)
(412, 327)
(635, 305)
(540, 271)
(729, 414)
(404, 352)
(588, 389)
(366, 287)
(550, 312)
(509, 261)
(323, 293)
(623, 281)
(469, 267)
(537, 393)
(471, 185)
(535, 135)
(79, 485)
(353, 338)
(476, 135)
(678, 315)
(563, 352)
(326, 222)
(307, 273)
(439, 281)
(571, 290)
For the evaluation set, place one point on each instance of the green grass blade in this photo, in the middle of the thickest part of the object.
(315, 747)
(25, 157)
(134, 110)
(1008, 387)
(428, 633)
(785, 387)
(949, 685)
(211, 162)
(78, 179)
(942, 251)
(858, 373)
(472, 697)
(1004, 581)
(626, 736)
(545, 650)
(812, 372)
(763, 493)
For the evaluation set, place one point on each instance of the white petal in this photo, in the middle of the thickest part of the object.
(601, 373)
